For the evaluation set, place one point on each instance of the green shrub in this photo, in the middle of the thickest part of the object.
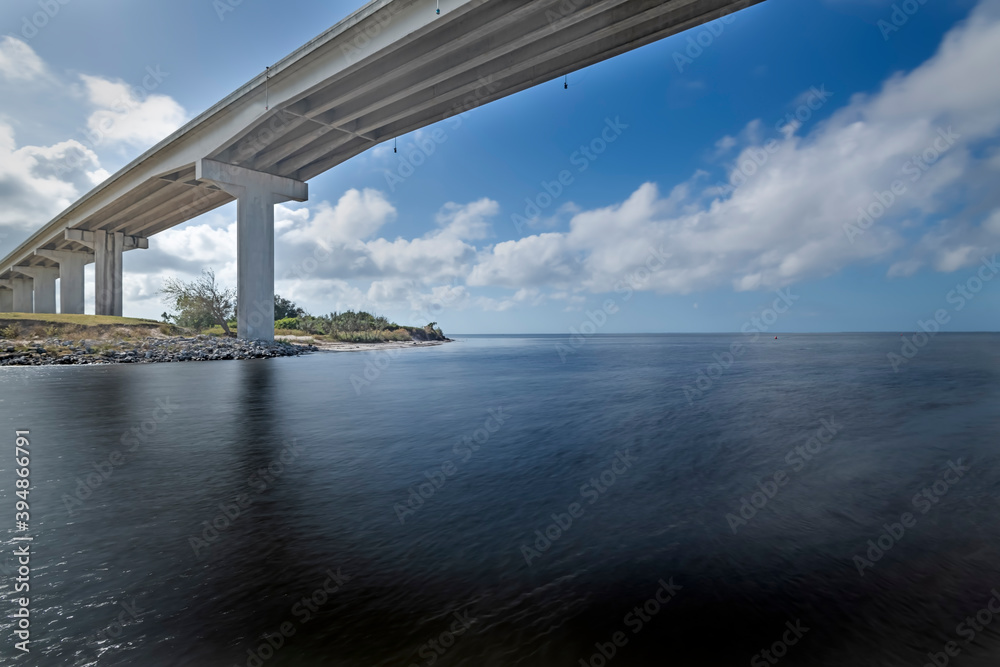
(287, 323)
(371, 336)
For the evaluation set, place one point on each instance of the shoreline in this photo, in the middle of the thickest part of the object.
(341, 346)
(173, 349)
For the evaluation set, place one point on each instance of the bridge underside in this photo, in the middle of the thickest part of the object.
(392, 68)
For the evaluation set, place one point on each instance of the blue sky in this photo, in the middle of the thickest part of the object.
(443, 243)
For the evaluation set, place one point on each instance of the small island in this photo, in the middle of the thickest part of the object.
(35, 339)
(203, 329)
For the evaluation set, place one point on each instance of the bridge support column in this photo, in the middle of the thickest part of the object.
(108, 248)
(71, 285)
(44, 285)
(256, 194)
(6, 300)
(108, 272)
(22, 295)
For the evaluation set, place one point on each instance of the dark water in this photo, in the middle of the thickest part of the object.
(117, 578)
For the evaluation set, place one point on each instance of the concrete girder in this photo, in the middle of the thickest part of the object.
(368, 99)
(654, 25)
(469, 83)
(461, 37)
(545, 41)
(201, 200)
(156, 210)
(456, 33)
(89, 238)
(120, 221)
(139, 200)
(71, 282)
(256, 194)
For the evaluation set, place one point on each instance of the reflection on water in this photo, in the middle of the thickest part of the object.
(485, 503)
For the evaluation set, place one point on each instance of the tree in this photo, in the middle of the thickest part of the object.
(359, 321)
(201, 302)
(285, 308)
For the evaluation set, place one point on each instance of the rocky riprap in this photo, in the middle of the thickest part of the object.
(144, 351)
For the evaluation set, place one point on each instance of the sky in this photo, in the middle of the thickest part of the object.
(836, 157)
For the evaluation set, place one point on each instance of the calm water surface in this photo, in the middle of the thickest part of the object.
(487, 502)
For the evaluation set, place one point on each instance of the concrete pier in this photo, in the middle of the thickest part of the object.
(256, 194)
(44, 286)
(23, 302)
(6, 298)
(71, 284)
(108, 273)
(108, 248)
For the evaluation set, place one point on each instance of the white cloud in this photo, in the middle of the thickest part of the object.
(541, 259)
(356, 216)
(343, 233)
(18, 61)
(725, 144)
(469, 222)
(904, 268)
(440, 255)
(952, 259)
(526, 296)
(37, 182)
(423, 304)
(434, 258)
(353, 270)
(201, 245)
(992, 225)
(287, 218)
(130, 115)
(785, 223)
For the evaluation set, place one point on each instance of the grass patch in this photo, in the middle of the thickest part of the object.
(48, 325)
(116, 329)
(11, 331)
(66, 318)
(401, 335)
(341, 336)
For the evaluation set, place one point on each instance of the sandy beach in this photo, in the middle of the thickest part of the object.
(328, 346)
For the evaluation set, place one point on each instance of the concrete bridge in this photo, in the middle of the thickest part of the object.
(390, 68)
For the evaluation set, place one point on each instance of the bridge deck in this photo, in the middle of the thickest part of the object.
(388, 69)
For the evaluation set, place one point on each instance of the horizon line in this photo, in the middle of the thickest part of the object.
(720, 333)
